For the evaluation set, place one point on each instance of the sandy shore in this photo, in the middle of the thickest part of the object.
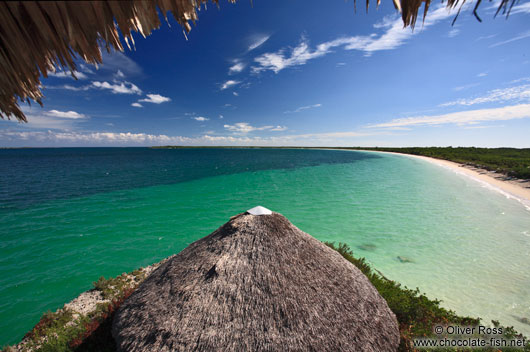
(511, 187)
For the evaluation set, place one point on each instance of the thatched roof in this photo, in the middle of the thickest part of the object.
(257, 283)
(36, 37)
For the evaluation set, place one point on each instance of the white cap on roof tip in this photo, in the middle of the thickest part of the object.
(259, 210)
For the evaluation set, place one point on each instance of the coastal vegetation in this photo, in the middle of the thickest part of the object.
(512, 162)
(67, 331)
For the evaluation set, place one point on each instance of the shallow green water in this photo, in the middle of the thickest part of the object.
(470, 246)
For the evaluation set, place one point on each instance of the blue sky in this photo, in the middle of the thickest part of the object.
(295, 73)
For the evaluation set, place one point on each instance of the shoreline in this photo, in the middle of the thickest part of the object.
(510, 187)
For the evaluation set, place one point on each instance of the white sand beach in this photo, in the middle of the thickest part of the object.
(510, 187)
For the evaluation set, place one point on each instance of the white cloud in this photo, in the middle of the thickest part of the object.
(482, 74)
(393, 37)
(86, 69)
(519, 80)
(302, 108)
(121, 88)
(462, 117)
(245, 127)
(235, 94)
(517, 93)
(112, 62)
(519, 37)
(229, 83)
(70, 87)
(52, 119)
(387, 22)
(236, 68)
(466, 86)
(120, 74)
(143, 139)
(200, 118)
(155, 99)
(258, 41)
(64, 74)
(453, 32)
(487, 36)
(279, 60)
(523, 8)
(65, 114)
(221, 117)
(137, 105)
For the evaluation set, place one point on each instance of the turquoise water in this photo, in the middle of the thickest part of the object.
(70, 216)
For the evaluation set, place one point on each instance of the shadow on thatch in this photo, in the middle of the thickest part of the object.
(100, 339)
(256, 283)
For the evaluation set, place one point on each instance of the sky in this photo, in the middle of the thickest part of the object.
(293, 73)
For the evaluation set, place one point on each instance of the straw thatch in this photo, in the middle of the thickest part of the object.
(257, 283)
(36, 37)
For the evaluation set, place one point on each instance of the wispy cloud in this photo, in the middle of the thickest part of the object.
(137, 105)
(91, 138)
(462, 117)
(236, 68)
(118, 88)
(519, 37)
(144, 139)
(465, 86)
(118, 61)
(517, 93)
(453, 32)
(482, 74)
(120, 74)
(523, 8)
(70, 87)
(487, 36)
(52, 119)
(64, 74)
(86, 69)
(155, 99)
(200, 118)
(65, 114)
(229, 83)
(393, 37)
(245, 127)
(302, 108)
(387, 22)
(258, 41)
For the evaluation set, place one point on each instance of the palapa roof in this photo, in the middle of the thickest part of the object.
(257, 283)
(36, 37)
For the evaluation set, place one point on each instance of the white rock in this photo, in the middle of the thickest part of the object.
(259, 210)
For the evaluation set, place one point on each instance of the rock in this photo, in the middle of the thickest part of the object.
(404, 259)
(367, 247)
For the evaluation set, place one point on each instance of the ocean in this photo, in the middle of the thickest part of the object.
(71, 215)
